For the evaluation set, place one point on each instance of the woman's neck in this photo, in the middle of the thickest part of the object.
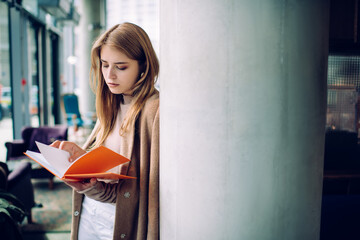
(127, 99)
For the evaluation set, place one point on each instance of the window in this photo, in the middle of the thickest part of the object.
(6, 124)
(343, 90)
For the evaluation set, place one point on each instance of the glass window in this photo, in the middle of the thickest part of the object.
(6, 124)
(343, 105)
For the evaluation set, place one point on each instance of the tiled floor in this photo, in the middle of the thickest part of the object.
(47, 236)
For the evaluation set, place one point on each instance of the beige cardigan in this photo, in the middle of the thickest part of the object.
(137, 201)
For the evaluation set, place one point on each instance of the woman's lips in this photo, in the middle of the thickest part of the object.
(112, 84)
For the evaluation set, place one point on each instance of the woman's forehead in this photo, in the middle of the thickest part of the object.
(112, 54)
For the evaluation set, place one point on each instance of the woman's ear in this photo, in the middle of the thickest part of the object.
(142, 67)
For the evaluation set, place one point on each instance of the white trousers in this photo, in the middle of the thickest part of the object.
(96, 220)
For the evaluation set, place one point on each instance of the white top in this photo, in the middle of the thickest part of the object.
(97, 218)
(114, 140)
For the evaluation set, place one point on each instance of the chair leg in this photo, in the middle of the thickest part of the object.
(76, 127)
(29, 217)
(51, 183)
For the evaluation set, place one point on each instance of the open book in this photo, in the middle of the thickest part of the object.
(95, 163)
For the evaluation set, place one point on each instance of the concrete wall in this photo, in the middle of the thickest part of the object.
(243, 99)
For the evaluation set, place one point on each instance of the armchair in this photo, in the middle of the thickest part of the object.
(44, 134)
(18, 183)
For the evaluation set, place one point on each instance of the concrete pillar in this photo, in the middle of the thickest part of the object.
(243, 102)
(90, 27)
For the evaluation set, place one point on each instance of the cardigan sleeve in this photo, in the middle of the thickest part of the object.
(102, 191)
(153, 203)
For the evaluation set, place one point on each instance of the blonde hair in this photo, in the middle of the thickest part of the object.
(133, 41)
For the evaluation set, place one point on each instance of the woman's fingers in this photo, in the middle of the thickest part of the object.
(81, 184)
(55, 144)
(74, 150)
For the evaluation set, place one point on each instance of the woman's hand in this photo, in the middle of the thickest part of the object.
(81, 185)
(75, 152)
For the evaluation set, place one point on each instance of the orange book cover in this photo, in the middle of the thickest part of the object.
(95, 163)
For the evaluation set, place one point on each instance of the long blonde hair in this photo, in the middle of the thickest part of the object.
(133, 41)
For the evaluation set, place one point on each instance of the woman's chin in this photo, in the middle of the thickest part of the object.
(115, 91)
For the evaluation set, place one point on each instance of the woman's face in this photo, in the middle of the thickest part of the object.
(119, 71)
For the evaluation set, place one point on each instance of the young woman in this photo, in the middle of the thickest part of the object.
(124, 67)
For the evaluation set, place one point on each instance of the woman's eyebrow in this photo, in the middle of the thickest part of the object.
(102, 60)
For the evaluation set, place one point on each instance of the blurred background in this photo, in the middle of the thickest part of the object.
(44, 54)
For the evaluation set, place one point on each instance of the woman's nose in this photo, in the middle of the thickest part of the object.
(111, 73)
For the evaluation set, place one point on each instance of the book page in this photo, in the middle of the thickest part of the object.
(37, 157)
(57, 158)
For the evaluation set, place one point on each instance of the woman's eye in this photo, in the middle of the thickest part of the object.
(121, 68)
(105, 66)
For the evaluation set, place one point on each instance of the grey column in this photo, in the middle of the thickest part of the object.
(17, 30)
(243, 102)
(90, 26)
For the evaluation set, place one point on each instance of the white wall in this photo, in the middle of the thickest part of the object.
(243, 97)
